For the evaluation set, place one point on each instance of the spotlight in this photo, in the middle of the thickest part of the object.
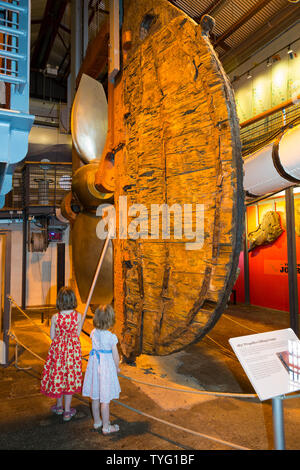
(249, 75)
(269, 62)
(290, 52)
(275, 58)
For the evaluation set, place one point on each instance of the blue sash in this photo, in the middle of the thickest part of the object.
(98, 351)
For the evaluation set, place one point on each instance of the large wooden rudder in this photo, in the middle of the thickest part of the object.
(177, 133)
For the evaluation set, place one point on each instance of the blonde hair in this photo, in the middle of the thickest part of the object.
(66, 299)
(104, 317)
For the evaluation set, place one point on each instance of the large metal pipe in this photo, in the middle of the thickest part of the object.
(274, 167)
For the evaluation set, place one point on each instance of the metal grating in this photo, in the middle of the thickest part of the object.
(193, 8)
(98, 11)
(36, 185)
(230, 13)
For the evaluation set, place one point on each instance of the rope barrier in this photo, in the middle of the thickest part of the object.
(197, 392)
(227, 351)
(240, 324)
(220, 441)
(12, 334)
(25, 314)
(14, 337)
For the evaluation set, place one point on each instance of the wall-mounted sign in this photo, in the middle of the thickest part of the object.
(276, 266)
(271, 361)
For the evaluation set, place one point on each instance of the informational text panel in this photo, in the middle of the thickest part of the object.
(271, 361)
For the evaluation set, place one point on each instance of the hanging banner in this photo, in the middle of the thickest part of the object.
(271, 361)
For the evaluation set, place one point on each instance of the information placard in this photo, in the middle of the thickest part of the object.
(271, 361)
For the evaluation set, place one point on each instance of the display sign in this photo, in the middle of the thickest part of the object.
(271, 361)
(54, 236)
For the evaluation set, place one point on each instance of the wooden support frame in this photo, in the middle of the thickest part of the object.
(114, 43)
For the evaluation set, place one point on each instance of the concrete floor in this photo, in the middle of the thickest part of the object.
(219, 423)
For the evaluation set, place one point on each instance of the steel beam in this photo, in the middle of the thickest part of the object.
(54, 12)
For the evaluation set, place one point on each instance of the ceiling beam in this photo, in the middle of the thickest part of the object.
(244, 19)
(65, 28)
(212, 9)
(275, 26)
(54, 12)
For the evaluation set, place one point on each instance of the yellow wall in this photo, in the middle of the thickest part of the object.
(269, 86)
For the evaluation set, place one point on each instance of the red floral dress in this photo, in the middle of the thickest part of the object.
(62, 372)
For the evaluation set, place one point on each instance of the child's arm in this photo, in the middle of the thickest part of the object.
(52, 327)
(79, 320)
(116, 357)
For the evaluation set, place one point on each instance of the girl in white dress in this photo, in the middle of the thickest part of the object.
(101, 381)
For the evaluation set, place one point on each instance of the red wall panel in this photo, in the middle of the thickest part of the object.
(268, 276)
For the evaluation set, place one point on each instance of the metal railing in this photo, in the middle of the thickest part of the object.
(257, 134)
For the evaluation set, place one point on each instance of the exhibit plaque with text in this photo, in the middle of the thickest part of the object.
(271, 361)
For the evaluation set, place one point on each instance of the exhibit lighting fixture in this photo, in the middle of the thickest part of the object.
(269, 62)
(249, 75)
(290, 52)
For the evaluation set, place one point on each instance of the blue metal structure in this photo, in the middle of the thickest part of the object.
(15, 120)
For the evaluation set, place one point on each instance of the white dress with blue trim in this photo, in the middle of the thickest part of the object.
(101, 379)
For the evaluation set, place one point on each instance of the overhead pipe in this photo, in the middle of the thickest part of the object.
(275, 166)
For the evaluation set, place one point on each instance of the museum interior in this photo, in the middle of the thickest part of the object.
(150, 160)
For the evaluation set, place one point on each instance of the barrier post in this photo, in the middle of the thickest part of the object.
(278, 423)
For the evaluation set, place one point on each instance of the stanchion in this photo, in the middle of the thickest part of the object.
(278, 423)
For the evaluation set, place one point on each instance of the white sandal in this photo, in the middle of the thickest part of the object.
(110, 428)
(98, 425)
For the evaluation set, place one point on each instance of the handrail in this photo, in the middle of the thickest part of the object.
(269, 112)
(12, 7)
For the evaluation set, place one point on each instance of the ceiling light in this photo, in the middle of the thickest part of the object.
(269, 62)
(249, 75)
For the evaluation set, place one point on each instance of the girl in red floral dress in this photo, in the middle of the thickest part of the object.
(62, 374)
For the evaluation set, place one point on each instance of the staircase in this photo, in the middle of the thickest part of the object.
(15, 120)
